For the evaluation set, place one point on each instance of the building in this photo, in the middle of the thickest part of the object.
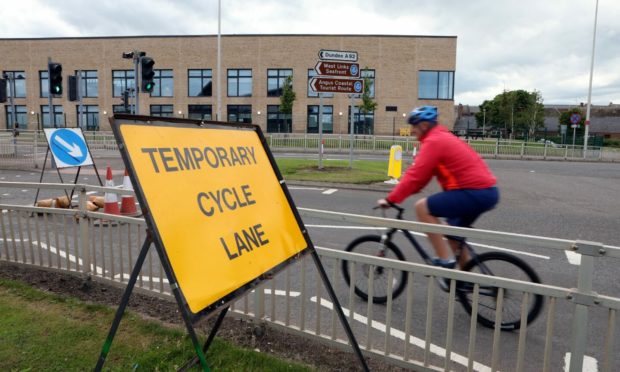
(406, 71)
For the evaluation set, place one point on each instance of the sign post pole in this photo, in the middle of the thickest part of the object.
(320, 131)
(351, 118)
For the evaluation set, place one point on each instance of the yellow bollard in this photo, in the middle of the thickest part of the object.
(395, 164)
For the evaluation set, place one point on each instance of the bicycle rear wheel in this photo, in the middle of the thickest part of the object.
(371, 245)
(505, 266)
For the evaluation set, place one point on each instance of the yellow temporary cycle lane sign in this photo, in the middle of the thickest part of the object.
(216, 203)
(218, 211)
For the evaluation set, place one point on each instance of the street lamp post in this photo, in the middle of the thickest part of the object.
(587, 129)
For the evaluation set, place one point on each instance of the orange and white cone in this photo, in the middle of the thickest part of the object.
(128, 202)
(110, 198)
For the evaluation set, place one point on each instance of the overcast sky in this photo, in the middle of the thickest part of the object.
(502, 44)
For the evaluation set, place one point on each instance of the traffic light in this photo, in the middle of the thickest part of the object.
(55, 78)
(73, 88)
(146, 64)
(2, 90)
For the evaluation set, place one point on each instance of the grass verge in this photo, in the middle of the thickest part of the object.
(40, 331)
(363, 171)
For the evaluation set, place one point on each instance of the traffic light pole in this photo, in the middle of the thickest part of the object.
(11, 80)
(49, 94)
(136, 91)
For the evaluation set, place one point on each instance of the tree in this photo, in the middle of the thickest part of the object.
(518, 111)
(288, 96)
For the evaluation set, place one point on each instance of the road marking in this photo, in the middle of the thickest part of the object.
(63, 254)
(14, 240)
(305, 188)
(17, 176)
(574, 258)
(280, 292)
(145, 278)
(6, 194)
(24, 190)
(329, 191)
(590, 364)
(478, 245)
(460, 359)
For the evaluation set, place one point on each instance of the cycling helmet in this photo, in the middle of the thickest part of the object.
(424, 113)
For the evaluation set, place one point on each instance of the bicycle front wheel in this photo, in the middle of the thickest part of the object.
(359, 274)
(505, 266)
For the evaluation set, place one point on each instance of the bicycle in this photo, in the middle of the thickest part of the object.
(489, 263)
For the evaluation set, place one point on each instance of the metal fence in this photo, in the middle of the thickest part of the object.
(29, 148)
(105, 247)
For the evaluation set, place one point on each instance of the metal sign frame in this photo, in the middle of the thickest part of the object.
(153, 236)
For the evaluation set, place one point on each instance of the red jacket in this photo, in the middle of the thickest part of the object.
(454, 162)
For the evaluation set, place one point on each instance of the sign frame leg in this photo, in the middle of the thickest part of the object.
(338, 309)
(205, 347)
(124, 301)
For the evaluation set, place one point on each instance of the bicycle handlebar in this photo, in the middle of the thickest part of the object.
(400, 209)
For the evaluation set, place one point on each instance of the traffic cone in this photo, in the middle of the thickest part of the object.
(111, 200)
(128, 202)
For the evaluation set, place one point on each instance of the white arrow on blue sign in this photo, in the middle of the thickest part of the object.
(68, 147)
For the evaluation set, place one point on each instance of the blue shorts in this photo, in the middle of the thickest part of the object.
(462, 207)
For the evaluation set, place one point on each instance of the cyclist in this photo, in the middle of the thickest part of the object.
(468, 185)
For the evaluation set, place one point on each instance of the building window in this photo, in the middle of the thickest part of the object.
(44, 84)
(200, 83)
(162, 110)
(200, 112)
(436, 85)
(20, 117)
(19, 84)
(120, 109)
(278, 122)
(121, 80)
(363, 123)
(311, 93)
(58, 119)
(313, 119)
(164, 84)
(275, 81)
(240, 83)
(90, 84)
(91, 117)
(240, 113)
(370, 74)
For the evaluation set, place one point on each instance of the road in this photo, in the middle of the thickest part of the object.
(554, 199)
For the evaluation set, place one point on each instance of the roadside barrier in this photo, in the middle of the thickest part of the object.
(28, 150)
(420, 330)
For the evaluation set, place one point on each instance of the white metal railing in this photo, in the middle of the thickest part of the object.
(105, 248)
(29, 148)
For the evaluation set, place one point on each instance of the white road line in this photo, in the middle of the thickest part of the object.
(145, 278)
(63, 254)
(305, 188)
(329, 191)
(574, 258)
(478, 245)
(24, 190)
(17, 176)
(457, 358)
(6, 194)
(590, 364)
(280, 292)
(13, 240)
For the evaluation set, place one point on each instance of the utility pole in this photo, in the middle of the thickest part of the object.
(587, 129)
(10, 77)
(484, 121)
(51, 117)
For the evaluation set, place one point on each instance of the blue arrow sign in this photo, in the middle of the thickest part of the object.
(358, 86)
(68, 147)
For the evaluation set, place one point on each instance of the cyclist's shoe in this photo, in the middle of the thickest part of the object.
(445, 263)
(444, 283)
